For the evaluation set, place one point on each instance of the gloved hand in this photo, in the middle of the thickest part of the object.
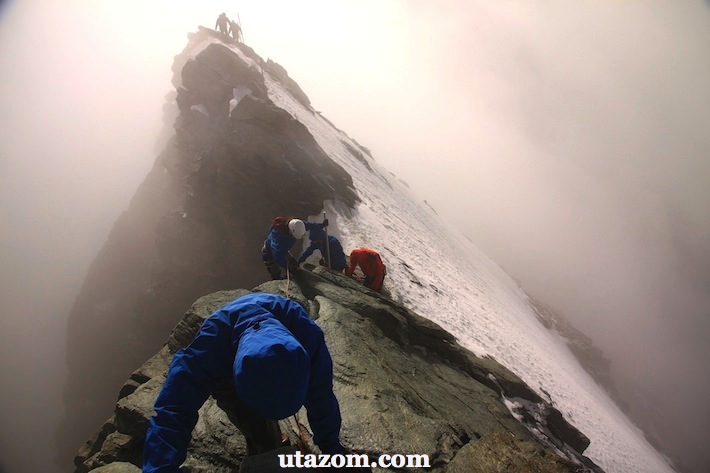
(292, 263)
(325, 222)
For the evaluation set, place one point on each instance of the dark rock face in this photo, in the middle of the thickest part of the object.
(196, 224)
(403, 383)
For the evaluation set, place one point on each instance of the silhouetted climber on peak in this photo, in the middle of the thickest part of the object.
(222, 22)
(235, 30)
(371, 266)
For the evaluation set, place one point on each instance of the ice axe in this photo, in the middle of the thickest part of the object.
(241, 32)
(327, 242)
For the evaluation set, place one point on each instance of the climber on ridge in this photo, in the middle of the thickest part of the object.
(371, 266)
(262, 358)
(222, 22)
(282, 236)
(235, 30)
(317, 237)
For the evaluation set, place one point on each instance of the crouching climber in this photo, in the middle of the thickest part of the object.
(334, 250)
(282, 236)
(262, 358)
(371, 266)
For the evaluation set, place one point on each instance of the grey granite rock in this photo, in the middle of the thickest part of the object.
(404, 386)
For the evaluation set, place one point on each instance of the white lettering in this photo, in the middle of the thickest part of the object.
(358, 461)
(283, 463)
(398, 461)
(311, 461)
(418, 461)
(339, 458)
(324, 461)
(299, 460)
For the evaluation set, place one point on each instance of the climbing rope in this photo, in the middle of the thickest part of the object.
(302, 443)
(288, 279)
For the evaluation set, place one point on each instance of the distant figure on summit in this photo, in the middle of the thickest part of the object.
(282, 236)
(222, 22)
(235, 30)
(371, 266)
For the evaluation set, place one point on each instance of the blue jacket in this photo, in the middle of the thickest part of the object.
(210, 360)
(278, 244)
(337, 255)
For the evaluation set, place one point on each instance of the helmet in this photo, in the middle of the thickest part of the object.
(297, 228)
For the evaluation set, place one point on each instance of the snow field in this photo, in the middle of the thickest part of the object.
(438, 273)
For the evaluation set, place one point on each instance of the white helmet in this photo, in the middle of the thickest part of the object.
(297, 228)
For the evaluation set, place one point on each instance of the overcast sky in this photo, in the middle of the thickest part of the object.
(569, 140)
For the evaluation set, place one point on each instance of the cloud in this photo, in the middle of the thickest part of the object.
(568, 140)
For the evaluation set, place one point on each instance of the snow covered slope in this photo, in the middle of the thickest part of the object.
(433, 269)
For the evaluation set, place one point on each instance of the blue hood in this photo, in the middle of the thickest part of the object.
(271, 370)
(316, 234)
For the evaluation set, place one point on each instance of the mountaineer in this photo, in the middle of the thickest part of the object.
(235, 30)
(334, 251)
(371, 266)
(221, 23)
(262, 358)
(282, 236)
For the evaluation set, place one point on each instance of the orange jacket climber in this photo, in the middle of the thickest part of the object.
(370, 264)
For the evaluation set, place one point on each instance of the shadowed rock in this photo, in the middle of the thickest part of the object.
(195, 226)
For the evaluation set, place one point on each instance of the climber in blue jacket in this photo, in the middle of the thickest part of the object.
(282, 236)
(337, 255)
(262, 358)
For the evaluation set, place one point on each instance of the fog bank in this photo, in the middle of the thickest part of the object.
(567, 140)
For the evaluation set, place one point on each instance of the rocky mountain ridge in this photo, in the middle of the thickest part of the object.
(403, 383)
(235, 160)
(195, 225)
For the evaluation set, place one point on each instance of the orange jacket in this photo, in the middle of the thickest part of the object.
(370, 264)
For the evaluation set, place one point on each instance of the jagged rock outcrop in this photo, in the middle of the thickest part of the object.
(196, 224)
(404, 386)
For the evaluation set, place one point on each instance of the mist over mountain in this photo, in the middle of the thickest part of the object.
(188, 231)
(247, 146)
(577, 133)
